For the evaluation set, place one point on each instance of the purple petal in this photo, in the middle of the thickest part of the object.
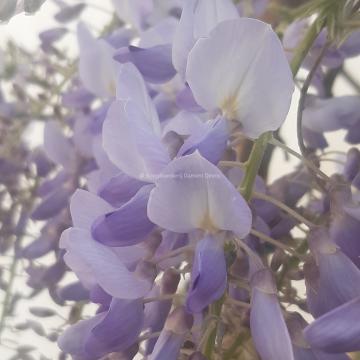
(334, 280)
(208, 276)
(211, 145)
(193, 183)
(39, 247)
(119, 189)
(52, 204)
(48, 186)
(128, 225)
(153, 63)
(338, 330)
(110, 334)
(73, 292)
(352, 165)
(343, 230)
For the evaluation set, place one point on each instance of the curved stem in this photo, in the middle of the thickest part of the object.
(303, 94)
(305, 46)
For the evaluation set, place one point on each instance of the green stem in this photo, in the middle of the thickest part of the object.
(253, 165)
(215, 310)
(304, 47)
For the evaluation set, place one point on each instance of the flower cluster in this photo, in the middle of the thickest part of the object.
(187, 251)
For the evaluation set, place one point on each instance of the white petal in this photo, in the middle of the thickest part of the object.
(241, 69)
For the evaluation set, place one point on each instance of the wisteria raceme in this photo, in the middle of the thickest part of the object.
(162, 230)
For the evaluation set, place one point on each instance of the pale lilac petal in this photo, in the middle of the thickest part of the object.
(338, 330)
(125, 132)
(229, 71)
(131, 86)
(185, 124)
(97, 68)
(198, 18)
(127, 225)
(204, 198)
(104, 264)
(57, 147)
(208, 277)
(86, 207)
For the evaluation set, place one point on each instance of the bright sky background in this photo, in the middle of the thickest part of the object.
(24, 29)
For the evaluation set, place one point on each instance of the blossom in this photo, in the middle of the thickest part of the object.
(232, 76)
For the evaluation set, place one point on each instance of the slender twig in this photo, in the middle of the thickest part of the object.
(303, 159)
(276, 243)
(284, 207)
